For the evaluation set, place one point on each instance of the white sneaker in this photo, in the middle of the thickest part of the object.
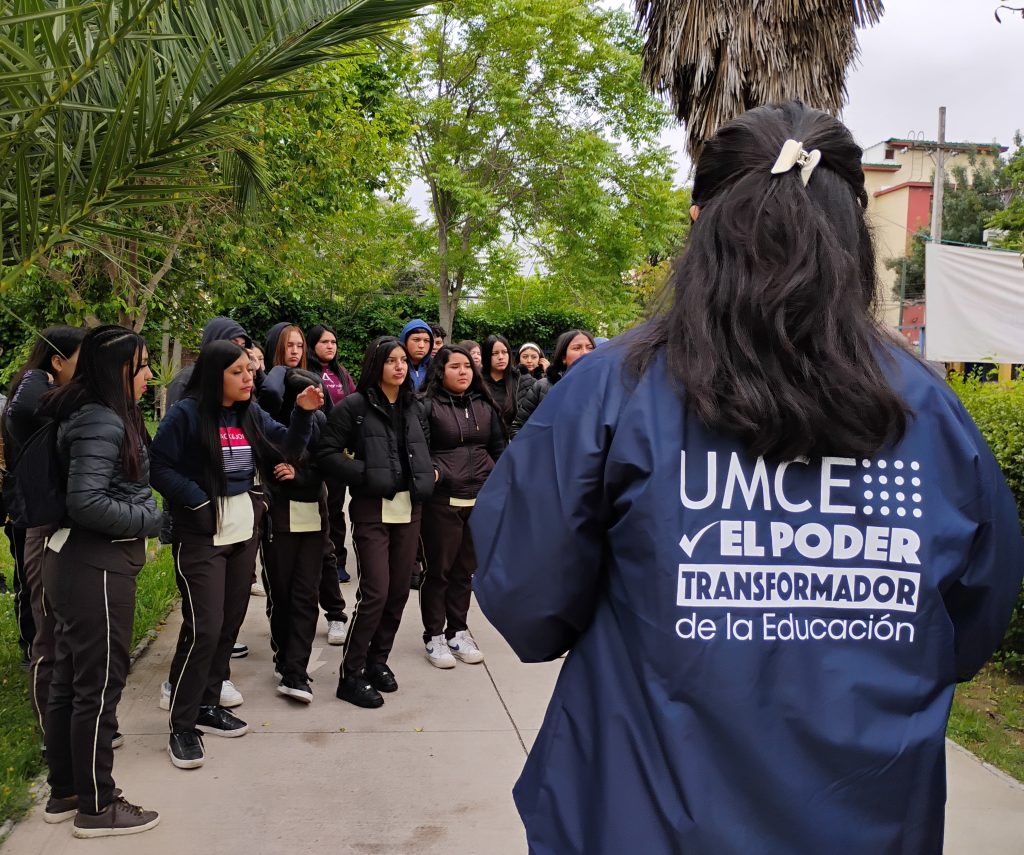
(257, 589)
(165, 696)
(464, 647)
(337, 630)
(438, 653)
(229, 695)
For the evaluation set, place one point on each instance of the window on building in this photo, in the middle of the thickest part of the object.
(890, 154)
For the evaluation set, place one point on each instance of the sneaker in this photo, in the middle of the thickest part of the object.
(229, 695)
(257, 589)
(61, 810)
(464, 647)
(343, 575)
(382, 678)
(239, 651)
(165, 696)
(438, 653)
(297, 688)
(186, 749)
(118, 740)
(336, 631)
(356, 689)
(220, 722)
(119, 817)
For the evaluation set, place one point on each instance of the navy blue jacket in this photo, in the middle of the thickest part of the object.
(762, 656)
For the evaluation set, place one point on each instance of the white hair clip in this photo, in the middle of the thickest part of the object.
(794, 154)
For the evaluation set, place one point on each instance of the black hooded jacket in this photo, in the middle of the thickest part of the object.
(216, 329)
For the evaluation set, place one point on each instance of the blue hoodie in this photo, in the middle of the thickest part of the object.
(763, 654)
(418, 372)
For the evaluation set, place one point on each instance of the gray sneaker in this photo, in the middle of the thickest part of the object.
(117, 818)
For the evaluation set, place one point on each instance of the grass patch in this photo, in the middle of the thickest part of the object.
(20, 757)
(988, 719)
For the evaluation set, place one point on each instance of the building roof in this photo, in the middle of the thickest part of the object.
(909, 185)
(888, 166)
(900, 142)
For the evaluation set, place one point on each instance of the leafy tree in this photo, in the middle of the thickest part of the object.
(1011, 217)
(535, 137)
(118, 106)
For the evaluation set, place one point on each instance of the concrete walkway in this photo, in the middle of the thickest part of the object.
(431, 772)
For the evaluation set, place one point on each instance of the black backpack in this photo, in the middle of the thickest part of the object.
(35, 486)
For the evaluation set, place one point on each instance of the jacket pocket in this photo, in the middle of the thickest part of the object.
(198, 520)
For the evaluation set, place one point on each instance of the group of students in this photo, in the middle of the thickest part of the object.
(253, 459)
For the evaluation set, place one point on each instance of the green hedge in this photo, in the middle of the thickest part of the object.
(998, 410)
(359, 322)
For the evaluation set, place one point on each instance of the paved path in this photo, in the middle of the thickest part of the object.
(431, 772)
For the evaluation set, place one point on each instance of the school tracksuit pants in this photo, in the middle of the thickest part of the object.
(44, 641)
(329, 593)
(450, 561)
(214, 582)
(94, 611)
(384, 557)
(21, 588)
(293, 562)
(336, 517)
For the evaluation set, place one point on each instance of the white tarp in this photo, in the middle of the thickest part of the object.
(974, 304)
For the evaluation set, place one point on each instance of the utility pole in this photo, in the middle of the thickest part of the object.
(940, 179)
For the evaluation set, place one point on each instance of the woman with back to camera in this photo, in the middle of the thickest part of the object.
(89, 568)
(376, 442)
(466, 438)
(51, 364)
(211, 452)
(773, 542)
(507, 386)
(570, 347)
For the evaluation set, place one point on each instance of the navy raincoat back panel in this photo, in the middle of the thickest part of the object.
(762, 655)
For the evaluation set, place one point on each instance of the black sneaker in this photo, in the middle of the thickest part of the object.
(186, 749)
(381, 678)
(239, 651)
(356, 690)
(296, 688)
(220, 722)
(118, 740)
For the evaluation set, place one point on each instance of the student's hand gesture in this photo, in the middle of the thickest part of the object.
(545, 363)
(311, 398)
(284, 472)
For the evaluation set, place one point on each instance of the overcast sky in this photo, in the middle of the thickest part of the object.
(925, 54)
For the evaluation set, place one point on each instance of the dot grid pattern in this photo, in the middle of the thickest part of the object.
(891, 488)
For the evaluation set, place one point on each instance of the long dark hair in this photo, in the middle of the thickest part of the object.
(206, 386)
(510, 377)
(558, 367)
(770, 334)
(373, 367)
(433, 384)
(280, 343)
(60, 341)
(313, 336)
(109, 358)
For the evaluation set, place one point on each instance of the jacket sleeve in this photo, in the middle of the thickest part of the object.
(539, 525)
(337, 438)
(981, 601)
(23, 404)
(524, 410)
(271, 393)
(496, 439)
(166, 452)
(94, 438)
(292, 439)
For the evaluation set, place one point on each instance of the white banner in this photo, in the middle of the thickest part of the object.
(975, 304)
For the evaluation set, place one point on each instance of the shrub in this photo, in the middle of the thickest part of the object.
(998, 410)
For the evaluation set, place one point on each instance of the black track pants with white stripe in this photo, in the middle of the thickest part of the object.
(214, 582)
(293, 562)
(93, 615)
(20, 585)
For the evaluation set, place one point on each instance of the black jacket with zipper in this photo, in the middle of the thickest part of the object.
(361, 447)
(466, 438)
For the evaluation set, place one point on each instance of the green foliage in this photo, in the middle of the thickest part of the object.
(998, 410)
(536, 138)
(1011, 218)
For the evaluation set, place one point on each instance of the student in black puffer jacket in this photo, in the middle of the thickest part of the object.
(89, 569)
(570, 347)
(377, 442)
(466, 439)
(507, 386)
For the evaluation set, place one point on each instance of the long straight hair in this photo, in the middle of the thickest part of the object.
(770, 335)
(109, 359)
(433, 384)
(314, 335)
(558, 367)
(279, 349)
(206, 386)
(373, 367)
(509, 379)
